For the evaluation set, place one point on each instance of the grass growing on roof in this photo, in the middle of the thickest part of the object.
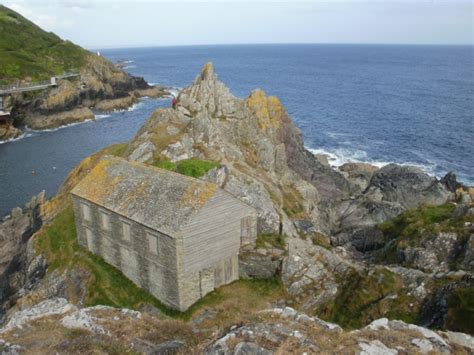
(108, 286)
(189, 167)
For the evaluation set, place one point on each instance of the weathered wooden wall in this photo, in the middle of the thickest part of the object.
(155, 272)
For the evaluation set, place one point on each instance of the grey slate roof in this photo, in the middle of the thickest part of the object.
(159, 199)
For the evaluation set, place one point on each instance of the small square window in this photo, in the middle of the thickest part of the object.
(152, 243)
(86, 212)
(126, 231)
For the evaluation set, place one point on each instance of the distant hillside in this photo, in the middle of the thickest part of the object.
(28, 51)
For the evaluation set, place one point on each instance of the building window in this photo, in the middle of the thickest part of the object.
(90, 239)
(104, 220)
(86, 211)
(152, 243)
(126, 231)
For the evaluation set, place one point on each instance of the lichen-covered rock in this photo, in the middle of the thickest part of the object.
(311, 274)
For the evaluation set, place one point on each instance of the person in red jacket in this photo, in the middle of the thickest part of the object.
(174, 102)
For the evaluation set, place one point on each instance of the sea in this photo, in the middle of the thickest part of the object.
(410, 105)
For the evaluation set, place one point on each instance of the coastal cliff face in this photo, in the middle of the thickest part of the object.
(30, 54)
(101, 85)
(352, 246)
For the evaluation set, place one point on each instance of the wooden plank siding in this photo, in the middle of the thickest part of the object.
(214, 232)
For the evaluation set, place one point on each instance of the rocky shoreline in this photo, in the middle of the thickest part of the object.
(101, 86)
(356, 246)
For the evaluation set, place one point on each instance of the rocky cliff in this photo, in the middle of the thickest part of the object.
(101, 85)
(30, 54)
(347, 246)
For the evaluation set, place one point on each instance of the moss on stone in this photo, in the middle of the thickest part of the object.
(267, 240)
(189, 167)
(414, 226)
(461, 310)
(365, 297)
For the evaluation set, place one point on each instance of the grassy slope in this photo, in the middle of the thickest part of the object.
(28, 51)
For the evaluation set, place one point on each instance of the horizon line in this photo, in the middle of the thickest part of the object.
(276, 44)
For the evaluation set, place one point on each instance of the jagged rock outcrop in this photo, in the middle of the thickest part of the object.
(270, 167)
(257, 141)
(19, 266)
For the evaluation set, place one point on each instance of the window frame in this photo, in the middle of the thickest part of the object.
(129, 224)
(152, 238)
(104, 213)
(86, 211)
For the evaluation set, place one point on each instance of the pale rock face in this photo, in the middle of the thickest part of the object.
(49, 307)
(80, 319)
(255, 195)
(376, 347)
(310, 273)
(142, 153)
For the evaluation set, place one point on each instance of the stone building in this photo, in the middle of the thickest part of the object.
(175, 236)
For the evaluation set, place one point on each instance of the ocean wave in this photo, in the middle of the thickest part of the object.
(339, 157)
(27, 129)
(22, 136)
(99, 117)
(129, 67)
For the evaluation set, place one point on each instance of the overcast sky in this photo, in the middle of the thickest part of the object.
(107, 23)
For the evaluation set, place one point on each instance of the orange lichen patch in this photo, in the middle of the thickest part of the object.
(207, 71)
(268, 110)
(275, 110)
(98, 183)
(197, 194)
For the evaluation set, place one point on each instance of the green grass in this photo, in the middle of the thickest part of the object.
(189, 167)
(108, 286)
(414, 226)
(461, 310)
(28, 51)
(271, 240)
(363, 298)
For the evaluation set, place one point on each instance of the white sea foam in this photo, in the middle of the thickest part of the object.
(24, 135)
(341, 156)
(27, 129)
(99, 117)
